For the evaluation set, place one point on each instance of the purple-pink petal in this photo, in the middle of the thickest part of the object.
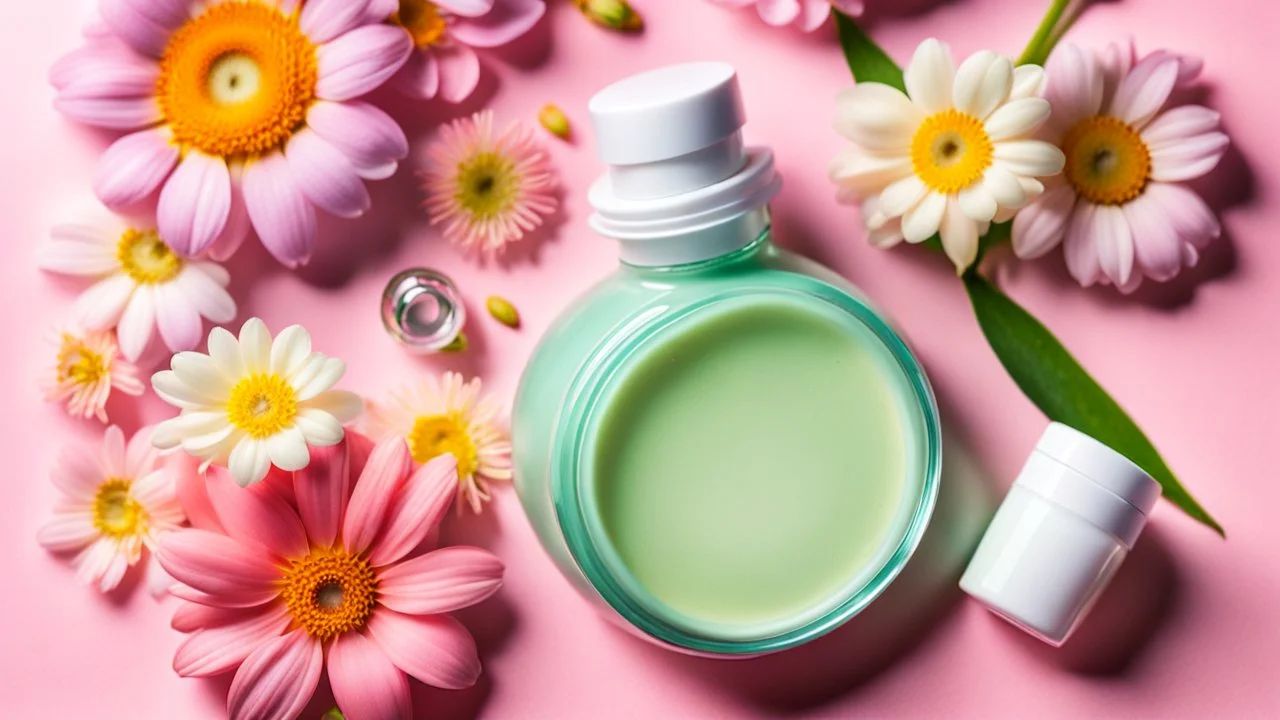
(371, 498)
(238, 223)
(110, 112)
(366, 684)
(281, 214)
(215, 650)
(508, 20)
(325, 175)
(324, 20)
(361, 60)
(177, 318)
(435, 649)
(322, 488)
(256, 516)
(194, 203)
(134, 167)
(469, 8)
(143, 29)
(1186, 211)
(277, 679)
(1039, 227)
(1156, 244)
(365, 134)
(418, 508)
(459, 72)
(441, 581)
(1144, 90)
(230, 573)
(1080, 251)
(1114, 240)
(420, 76)
(1187, 158)
(1074, 88)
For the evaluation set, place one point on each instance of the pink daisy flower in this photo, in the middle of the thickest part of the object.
(444, 33)
(115, 504)
(85, 370)
(808, 15)
(240, 114)
(1120, 208)
(319, 571)
(487, 189)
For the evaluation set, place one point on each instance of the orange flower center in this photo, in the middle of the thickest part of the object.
(115, 513)
(424, 21)
(237, 80)
(1107, 161)
(951, 151)
(330, 592)
(79, 364)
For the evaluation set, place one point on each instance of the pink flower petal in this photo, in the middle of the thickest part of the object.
(1186, 211)
(367, 135)
(180, 325)
(238, 223)
(138, 322)
(1080, 250)
(325, 175)
(324, 20)
(420, 76)
(194, 204)
(1074, 88)
(277, 679)
(1180, 123)
(360, 61)
(118, 75)
(67, 533)
(440, 581)
(468, 8)
(189, 485)
(1188, 158)
(235, 575)
(1039, 227)
(508, 20)
(215, 650)
(100, 307)
(203, 284)
(814, 15)
(417, 510)
(113, 113)
(778, 12)
(190, 616)
(380, 10)
(91, 57)
(76, 249)
(435, 649)
(322, 488)
(134, 167)
(1114, 241)
(371, 497)
(144, 24)
(366, 684)
(459, 70)
(282, 215)
(1156, 244)
(255, 515)
(1144, 90)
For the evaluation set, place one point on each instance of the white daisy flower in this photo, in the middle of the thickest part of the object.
(141, 284)
(253, 403)
(949, 156)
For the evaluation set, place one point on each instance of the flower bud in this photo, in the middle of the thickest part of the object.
(503, 311)
(612, 14)
(553, 119)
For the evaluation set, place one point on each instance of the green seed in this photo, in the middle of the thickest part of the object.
(458, 345)
(554, 121)
(503, 311)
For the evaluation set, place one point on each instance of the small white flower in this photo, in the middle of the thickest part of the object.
(950, 155)
(253, 403)
(141, 284)
(115, 504)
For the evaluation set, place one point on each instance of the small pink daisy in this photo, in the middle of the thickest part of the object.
(487, 189)
(87, 368)
(808, 15)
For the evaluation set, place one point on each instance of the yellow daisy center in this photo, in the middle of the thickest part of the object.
(950, 151)
(487, 185)
(80, 364)
(115, 513)
(330, 592)
(435, 435)
(262, 404)
(145, 258)
(1107, 161)
(237, 80)
(424, 21)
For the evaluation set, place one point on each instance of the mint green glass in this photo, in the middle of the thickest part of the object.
(574, 378)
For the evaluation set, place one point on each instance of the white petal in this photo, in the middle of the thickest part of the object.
(1017, 117)
(330, 372)
(922, 221)
(175, 392)
(1029, 157)
(929, 76)
(209, 297)
(982, 83)
(225, 351)
(319, 427)
(198, 371)
(1004, 187)
(137, 323)
(288, 449)
(959, 236)
(866, 174)
(877, 117)
(255, 346)
(343, 405)
(67, 532)
(977, 203)
(901, 196)
(1028, 81)
(249, 462)
(78, 250)
(100, 307)
(290, 349)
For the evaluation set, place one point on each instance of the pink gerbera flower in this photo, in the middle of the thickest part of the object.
(312, 571)
(444, 33)
(1120, 207)
(242, 113)
(85, 370)
(487, 189)
(808, 15)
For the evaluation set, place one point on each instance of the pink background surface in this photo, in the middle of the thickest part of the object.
(1190, 628)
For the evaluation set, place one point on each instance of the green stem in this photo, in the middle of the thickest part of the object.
(1037, 50)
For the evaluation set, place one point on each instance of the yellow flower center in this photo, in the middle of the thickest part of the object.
(1107, 161)
(80, 364)
(487, 185)
(262, 404)
(145, 258)
(115, 513)
(330, 592)
(237, 80)
(435, 435)
(424, 21)
(950, 151)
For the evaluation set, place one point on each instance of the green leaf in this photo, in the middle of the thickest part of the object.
(866, 59)
(1056, 383)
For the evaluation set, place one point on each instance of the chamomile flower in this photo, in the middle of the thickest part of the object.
(253, 402)
(449, 416)
(951, 154)
(86, 369)
(487, 189)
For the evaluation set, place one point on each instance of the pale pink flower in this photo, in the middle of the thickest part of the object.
(1120, 207)
(85, 370)
(487, 189)
(115, 503)
(241, 114)
(451, 416)
(141, 284)
(319, 570)
(808, 15)
(444, 33)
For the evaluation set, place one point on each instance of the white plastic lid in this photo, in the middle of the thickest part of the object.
(1104, 466)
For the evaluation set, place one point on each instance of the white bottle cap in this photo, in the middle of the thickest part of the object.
(681, 186)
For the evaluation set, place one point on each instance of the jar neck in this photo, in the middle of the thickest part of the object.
(699, 248)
